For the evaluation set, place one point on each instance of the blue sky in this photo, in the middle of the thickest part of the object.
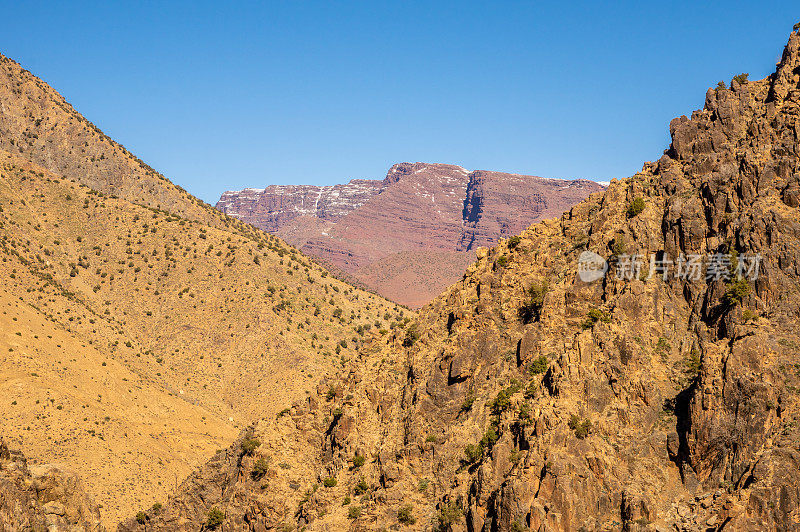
(224, 96)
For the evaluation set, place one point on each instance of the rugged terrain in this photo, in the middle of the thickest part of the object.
(42, 498)
(524, 398)
(411, 235)
(141, 329)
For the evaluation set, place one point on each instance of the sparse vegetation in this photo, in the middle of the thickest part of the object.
(329, 482)
(448, 515)
(736, 291)
(354, 512)
(593, 316)
(582, 428)
(636, 207)
(741, 79)
(250, 444)
(539, 365)
(405, 516)
(532, 308)
(215, 518)
(358, 461)
(260, 468)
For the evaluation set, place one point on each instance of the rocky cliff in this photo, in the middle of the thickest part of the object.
(436, 213)
(534, 396)
(42, 497)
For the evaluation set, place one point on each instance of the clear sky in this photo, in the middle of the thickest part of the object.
(230, 95)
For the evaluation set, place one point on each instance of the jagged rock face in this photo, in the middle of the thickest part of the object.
(42, 498)
(500, 205)
(644, 403)
(368, 229)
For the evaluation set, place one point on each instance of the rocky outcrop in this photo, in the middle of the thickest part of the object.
(367, 229)
(42, 497)
(531, 396)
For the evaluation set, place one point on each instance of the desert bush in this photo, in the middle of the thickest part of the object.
(736, 292)
(636, 207)
(539, 365)
(473, 453)
(741, 79)
(329, 482)
(404, 515)
(250, 444)
(582, 428)
(215, 517)
(362, 487)
(260, 468)
(358, 460)
(354, 512)
(448, 515)
(531, 310)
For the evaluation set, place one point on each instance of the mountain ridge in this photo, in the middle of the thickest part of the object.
(438, 213)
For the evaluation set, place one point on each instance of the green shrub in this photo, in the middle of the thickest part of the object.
(468, 402)
(736, 292)
(141, 517)
(354, 512)
(358, 460)
(423, 484)
(581, 428)
(346, 500)
(539, 365)
(411, 337)
(501, 261)
(362, 487)
(741, 79)
(260, 468)
(502, 401)
(473, 453)
(490, 437)
(593, 316)
(250, 444)
(636, 207)
(329, 482)
(619, 246)
(404, 515)
(449, 515)
(215, 517)
(532, 308)
(513, 242)
(720, 86)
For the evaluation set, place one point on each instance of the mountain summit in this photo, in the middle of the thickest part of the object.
(411, 235)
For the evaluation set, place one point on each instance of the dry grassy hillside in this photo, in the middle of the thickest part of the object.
(38, 124)
(135, 341)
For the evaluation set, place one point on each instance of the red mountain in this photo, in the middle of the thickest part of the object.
(411, 235)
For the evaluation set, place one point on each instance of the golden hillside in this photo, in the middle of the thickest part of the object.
(137, 340)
